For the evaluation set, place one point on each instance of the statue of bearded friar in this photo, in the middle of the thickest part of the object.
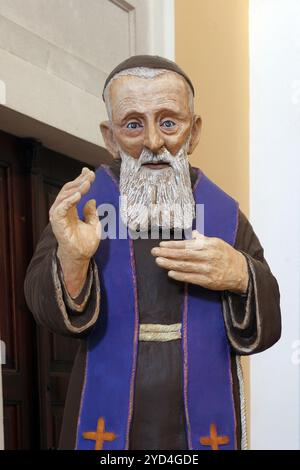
(165, 305)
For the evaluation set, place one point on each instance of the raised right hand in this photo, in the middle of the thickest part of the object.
(77, 240)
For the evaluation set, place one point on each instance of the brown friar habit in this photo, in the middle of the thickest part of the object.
(252, 322)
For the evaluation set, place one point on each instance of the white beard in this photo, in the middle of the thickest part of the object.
(156, 198)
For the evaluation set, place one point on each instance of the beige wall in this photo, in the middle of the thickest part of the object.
(211, 45)
(54, 61)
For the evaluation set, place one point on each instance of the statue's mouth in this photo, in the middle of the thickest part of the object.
(156, 165)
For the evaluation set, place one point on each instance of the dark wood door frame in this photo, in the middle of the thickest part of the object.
(47, 172)
(36, 377)
(20, 391)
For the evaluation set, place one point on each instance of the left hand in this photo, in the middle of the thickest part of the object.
(206, 261)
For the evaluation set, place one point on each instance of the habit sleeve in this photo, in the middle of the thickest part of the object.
(253, 321)
(48, 299)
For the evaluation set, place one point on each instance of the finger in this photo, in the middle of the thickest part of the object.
(182, 266)
(65, 194)
(188, 277)
(90, 212)
(74, 182)
(62, 209)
(82, 184)
(85, 173)
(198, 235)
(195, 244)
(82, 189)
(184, 254)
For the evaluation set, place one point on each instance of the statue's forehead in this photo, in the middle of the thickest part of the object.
(166, 86)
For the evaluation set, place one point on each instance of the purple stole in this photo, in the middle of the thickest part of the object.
(107, 399)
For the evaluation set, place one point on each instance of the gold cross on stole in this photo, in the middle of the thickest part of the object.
(99, 436)
(214, 440)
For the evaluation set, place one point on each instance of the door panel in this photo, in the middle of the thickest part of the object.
(38, 363)
(48, 171)
(16, 324)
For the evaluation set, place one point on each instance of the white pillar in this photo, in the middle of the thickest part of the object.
(162, 27)
(274, 28)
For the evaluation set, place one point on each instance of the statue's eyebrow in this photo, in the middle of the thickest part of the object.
(173, 111)
(130, 112)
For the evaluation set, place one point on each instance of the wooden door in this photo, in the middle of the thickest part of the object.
(36, 375)
(47, 172)
(17, 329)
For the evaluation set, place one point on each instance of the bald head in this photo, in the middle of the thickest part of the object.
(135, 80)
(147, 62)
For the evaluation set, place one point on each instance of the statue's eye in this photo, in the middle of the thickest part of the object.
(133, 125)
(168, 123)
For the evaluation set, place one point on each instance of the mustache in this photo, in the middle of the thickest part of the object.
(147, 157)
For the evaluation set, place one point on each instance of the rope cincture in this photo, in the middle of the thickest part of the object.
(158, 332)
(244, 437)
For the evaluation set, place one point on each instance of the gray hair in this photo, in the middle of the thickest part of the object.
(142, 72)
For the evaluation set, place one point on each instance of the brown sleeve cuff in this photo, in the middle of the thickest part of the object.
(240, 304)
(253, 322)
(76, 304)
(240, 318)
(77, 322)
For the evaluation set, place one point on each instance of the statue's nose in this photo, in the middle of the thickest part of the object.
(153, 139)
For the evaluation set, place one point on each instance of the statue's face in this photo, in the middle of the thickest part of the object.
(152, 130)
(152, 113)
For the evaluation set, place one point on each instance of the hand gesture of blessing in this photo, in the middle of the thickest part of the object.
(77, 240)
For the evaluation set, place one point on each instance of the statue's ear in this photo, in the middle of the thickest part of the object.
(195, 133)
(108, 137)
